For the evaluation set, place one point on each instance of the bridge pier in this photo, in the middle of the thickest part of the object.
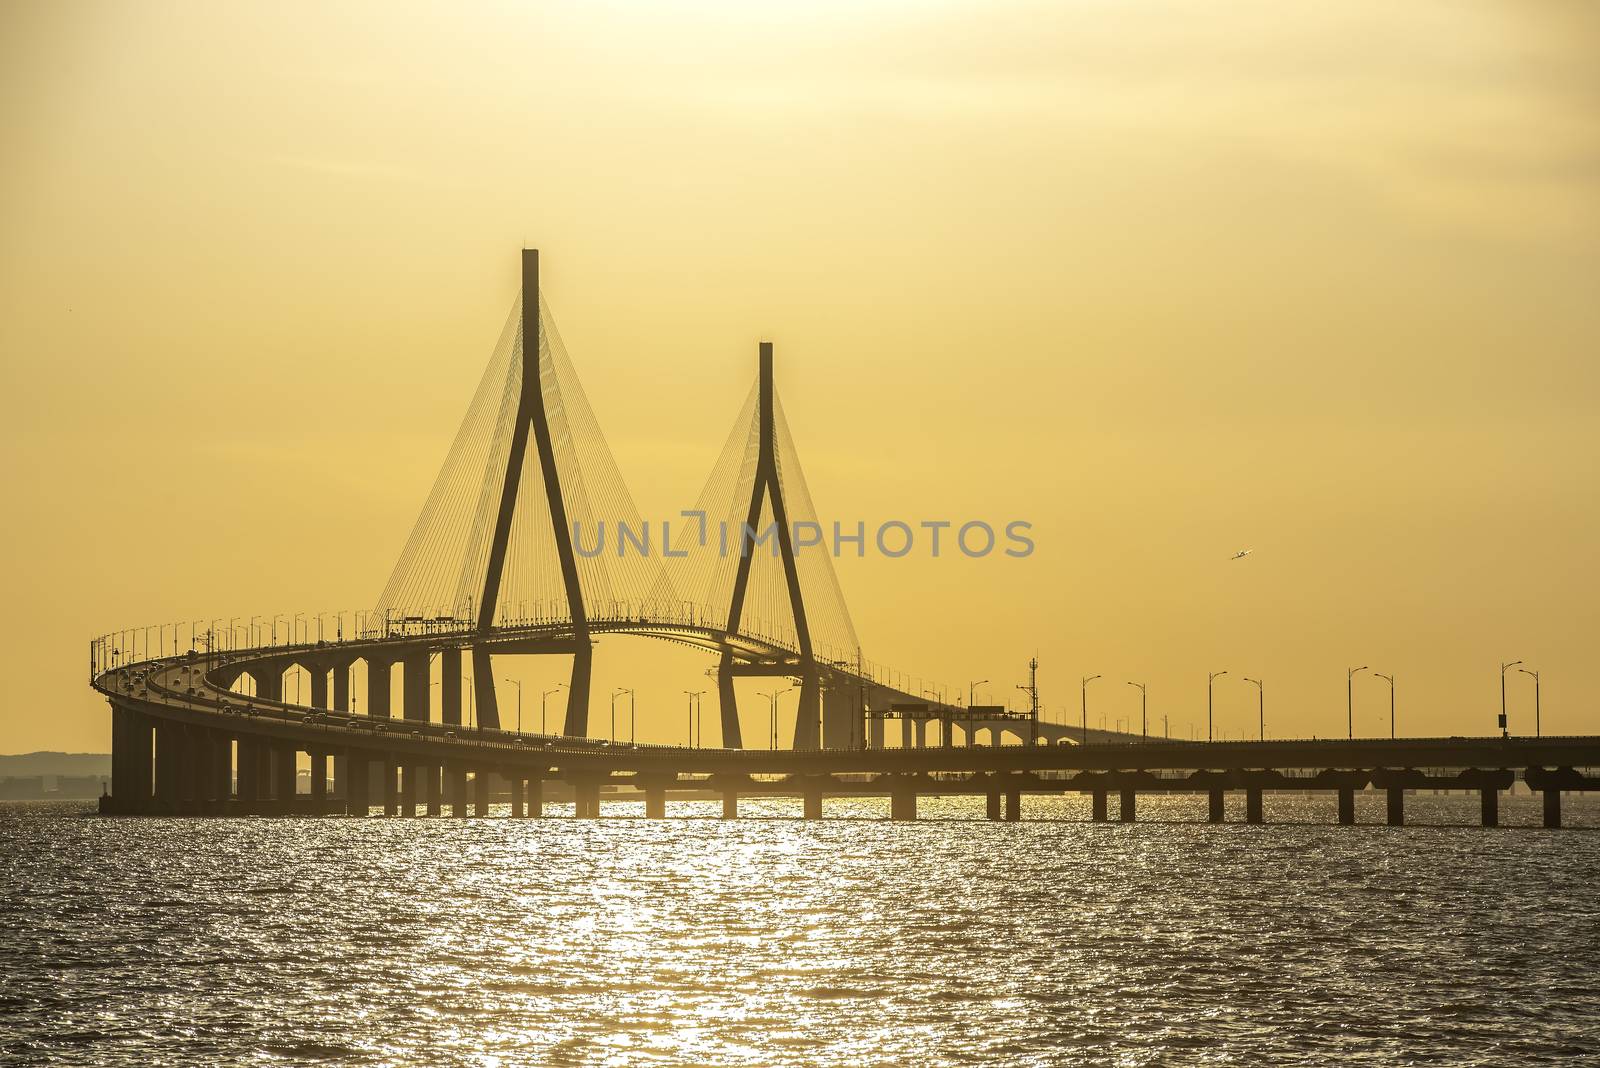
(1489, 806)
(730, 803)
(586, 799)
(221, 771)
(1013, 805)
(378, 687)
(1397, 806)
(286, 774)
(903, 800)
(1552, 808)
(456, 780)
(166, 782)
(430, 782)
(319, 685)
(515, 780)
(992, 804)
(1252, 805)
(1347, 806)
(480, 793)
(414, 686)
(1129, 800)
(655, 802)
(319, 781)
(408, 790)
(812, 804)
(358, 783)
(248, 786)
(535, 797)
(874, 732)
(450, 686)
(391, 787)
(1097, 810)
(1215, 811)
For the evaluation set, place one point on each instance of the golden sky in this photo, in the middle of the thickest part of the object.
(1168, 280)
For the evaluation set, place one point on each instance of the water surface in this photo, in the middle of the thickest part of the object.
(765, 941)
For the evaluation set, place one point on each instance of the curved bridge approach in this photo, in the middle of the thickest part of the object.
(518, 517)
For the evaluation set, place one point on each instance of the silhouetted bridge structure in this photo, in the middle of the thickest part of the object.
(502, 529)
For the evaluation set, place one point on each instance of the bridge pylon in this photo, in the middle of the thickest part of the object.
(532, 415)
(767, 487)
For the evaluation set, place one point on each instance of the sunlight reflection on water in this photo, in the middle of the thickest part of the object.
(851, 941)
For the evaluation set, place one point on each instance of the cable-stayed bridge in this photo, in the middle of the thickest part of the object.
(529, 543)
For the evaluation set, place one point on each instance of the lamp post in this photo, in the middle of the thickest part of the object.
(1083, 704)
(694, 701)
(1538, 730)
(518, 684)
(1261, 706)
(616, 694)
(1504, 732)
(772, 702)
(1144, 719)
(1350, 698)
(1390, 680)
(1210, 681)
(543, 699)
(972, 688)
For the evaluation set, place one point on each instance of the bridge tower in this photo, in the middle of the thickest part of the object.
(766, 485)
(531, 413)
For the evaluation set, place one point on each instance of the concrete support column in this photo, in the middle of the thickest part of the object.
(202, 769)
(408, 790)
(248, 787)
(1397, 806)
(1129, 800)
(655, 802)
(1552, 808)
(1013, 806)
(992, 804)
(341, 687)
(222, 767)
(391, 786)
(516, 795)
(456, 782)
(286, 772)
(586, 799)
(378, 687)
(920, 729)
(319, 781)
(535, 798)
(166, 765)
(450, 686)
(907, 738)
(480, 793)
(874, 732)
(1252, 805)
(319, 685)
(414, 687)
(1347, 805)
(1489, 800)
(431, 787)
(1214, 813)
(812, 801)
(903, 801)
(1098, 805)
(358, 783)
(265, 783)
(730, 804)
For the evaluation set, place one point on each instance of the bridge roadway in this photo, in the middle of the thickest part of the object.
(184, 743)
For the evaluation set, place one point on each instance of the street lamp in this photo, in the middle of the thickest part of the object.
(1503, 669)
(1144, 719)
(1261, 706)
(972, 688)
(1390, 680)
(1214, 676)
(543, 699)
(618, 693)
(772, 701)
(1538, 731)
(1350, 699)
(518, 684)
(694, 700)
(1083, 704)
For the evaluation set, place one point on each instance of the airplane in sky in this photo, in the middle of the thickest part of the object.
(1241, 554)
